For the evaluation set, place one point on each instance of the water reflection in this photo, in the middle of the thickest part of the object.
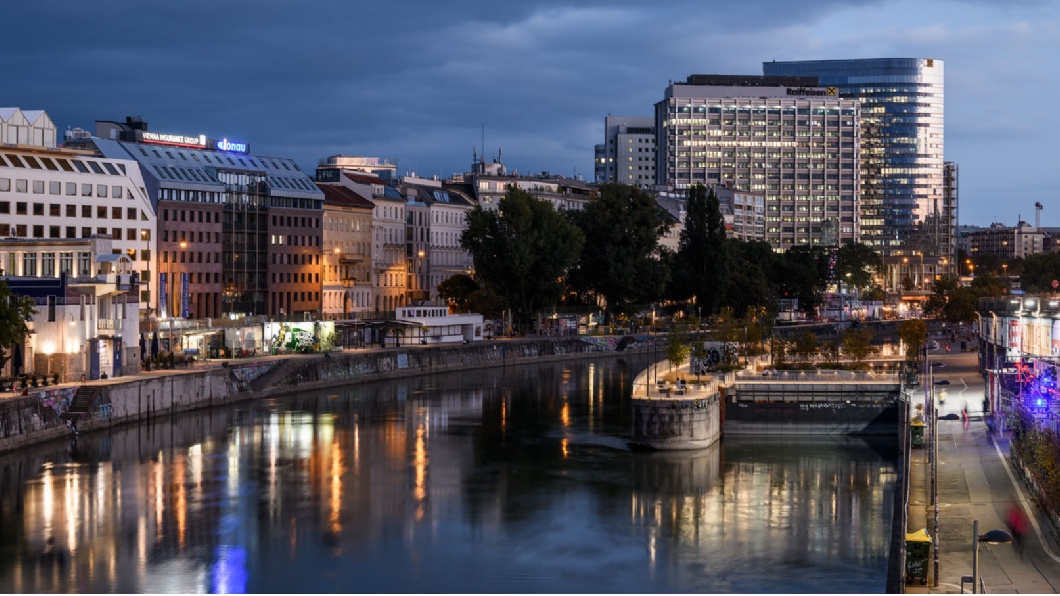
(512, 480)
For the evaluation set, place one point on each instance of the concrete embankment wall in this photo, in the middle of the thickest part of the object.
(38, 417)
(672, 422)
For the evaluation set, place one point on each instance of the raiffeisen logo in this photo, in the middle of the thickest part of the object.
(226, 145)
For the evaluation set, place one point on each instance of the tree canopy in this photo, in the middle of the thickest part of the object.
(523, 251)
(621, 259)
(14, 312)
(702, 261)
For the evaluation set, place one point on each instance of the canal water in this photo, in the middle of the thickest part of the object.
(501, 480)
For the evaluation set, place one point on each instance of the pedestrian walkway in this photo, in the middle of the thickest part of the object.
(976, 482)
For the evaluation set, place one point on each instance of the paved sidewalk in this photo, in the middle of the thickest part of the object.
(975, 482)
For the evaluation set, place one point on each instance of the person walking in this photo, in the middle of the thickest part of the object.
(1017, 525)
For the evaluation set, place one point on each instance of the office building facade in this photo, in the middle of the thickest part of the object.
(628, 151)
(785, 138)
(904, 204)
(238, 234)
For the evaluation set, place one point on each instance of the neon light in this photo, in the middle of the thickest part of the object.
(226, 145)
(168, 139)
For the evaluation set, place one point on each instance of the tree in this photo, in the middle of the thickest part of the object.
(750, 286)
(913, 333)
(857, 345)
(802, 273)
(621, 259)
(14, 312)
(523, 251)
(677, 348)
(456, 290)
(1039, 271)
(806, 346)
(857, 263)
(702, 254)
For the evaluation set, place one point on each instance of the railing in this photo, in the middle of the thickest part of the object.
(110, 324)
(817, 376)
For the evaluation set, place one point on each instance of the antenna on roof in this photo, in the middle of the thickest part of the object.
(483, 142)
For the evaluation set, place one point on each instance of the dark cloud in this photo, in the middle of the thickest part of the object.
(417, 80)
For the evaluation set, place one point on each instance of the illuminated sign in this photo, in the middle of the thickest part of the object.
(231, 146)
(199, 142)
(806, 91)
(168, 139)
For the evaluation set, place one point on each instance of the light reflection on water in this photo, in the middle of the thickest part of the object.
(513, 480)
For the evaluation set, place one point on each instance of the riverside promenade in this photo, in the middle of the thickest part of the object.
(976, 481)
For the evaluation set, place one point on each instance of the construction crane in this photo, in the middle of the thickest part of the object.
(1037, 215)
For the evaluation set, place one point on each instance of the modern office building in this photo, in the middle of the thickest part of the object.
(787, 138)
(628, 151)
(904, 208)
(52, 193)
(238, 234)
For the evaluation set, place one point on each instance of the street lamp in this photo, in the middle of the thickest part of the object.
(62, 342)
(1004, 269)
(991, 537)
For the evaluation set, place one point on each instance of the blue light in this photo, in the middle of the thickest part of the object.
(1040, 402)
(226, 145)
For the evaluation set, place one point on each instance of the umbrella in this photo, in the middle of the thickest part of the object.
(154, 345)
(16, 360)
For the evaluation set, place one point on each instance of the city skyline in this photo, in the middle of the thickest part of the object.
(427, 84)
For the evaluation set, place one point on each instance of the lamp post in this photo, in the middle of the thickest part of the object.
(173, 294)
(1004, 269)
(991, 537)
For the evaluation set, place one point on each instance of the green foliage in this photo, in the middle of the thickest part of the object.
(802, 273)
(621, 258)
(14, 312)
(806, 346)
(1039, 271)
(1039, 450)
(857, 263)
(913, 333)
(702, 263)
(988, 285)
(857, 345)
(677, 348)
(457, 290)
(523, 251)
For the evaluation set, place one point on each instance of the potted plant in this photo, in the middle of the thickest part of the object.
(55, 378)
(33, 380)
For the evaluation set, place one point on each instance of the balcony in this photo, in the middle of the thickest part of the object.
(110, 324)
(351, 257)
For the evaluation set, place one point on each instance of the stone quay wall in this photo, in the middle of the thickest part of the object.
(26, 420)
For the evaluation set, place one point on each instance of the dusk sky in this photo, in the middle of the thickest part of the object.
(417, 81)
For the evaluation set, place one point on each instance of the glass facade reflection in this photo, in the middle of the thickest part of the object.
(904, 207)
(509, 480)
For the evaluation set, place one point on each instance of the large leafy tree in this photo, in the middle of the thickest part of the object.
(857, 345)
(802, 274)
(523, 251)
(621, 259)
(456, 290)
(1039, 271)
(14, 312)
(702, 254)
(750, 286)
(856, 263)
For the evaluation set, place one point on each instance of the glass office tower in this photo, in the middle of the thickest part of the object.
(905, 210)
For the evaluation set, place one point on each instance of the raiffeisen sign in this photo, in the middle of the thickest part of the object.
(232, 146)
(178, 140)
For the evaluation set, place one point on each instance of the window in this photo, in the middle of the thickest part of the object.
(29, 264)
(101, 212)
(54, 210)
(86, 190)
(55, 187)
(71, 211)
(101, 190)
(21, 186)
(71, 189)
(86, 211)
(38, 208)
(5, 184)
(115, 192)
(84, 264)
(115, 212)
